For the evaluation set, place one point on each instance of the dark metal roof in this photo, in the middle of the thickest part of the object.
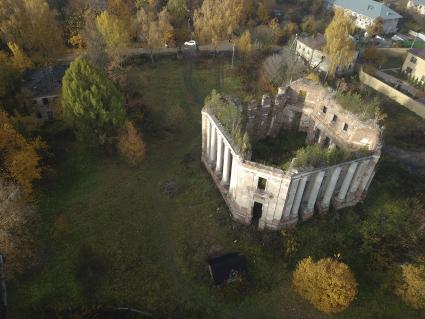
(226, 267)
(46, 81)
(420, 53)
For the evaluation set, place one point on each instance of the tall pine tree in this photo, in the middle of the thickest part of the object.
(92, 104)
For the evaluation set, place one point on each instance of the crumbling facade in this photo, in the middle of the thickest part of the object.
(279, 198)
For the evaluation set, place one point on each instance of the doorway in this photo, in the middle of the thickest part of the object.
(257, 212)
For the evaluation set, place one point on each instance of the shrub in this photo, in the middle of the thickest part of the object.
(314, 155)
(230, 117)
(328, 284)
(412, 286)
(355, 103)
(131, 145)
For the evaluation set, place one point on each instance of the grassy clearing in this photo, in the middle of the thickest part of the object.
(109, 237)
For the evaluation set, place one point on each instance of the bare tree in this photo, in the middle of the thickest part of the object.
(283, 68)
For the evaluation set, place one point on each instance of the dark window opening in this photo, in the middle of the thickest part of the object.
(345, 128)
(327, 142)
(39, 115)
(316, 135)
(257, 211)
(325, 109)
(334, 119)
(409, 70)
(262, 182)
(413, 60)
(45, 101)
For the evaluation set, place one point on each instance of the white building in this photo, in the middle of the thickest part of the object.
(276, 198)
(417, 6)
(310, 49)
(365, 12)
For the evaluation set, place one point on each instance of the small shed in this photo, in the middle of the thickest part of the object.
(227, 268)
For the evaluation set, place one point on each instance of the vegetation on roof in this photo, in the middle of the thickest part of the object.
(364, 109)
(315, 156)
(228, 114)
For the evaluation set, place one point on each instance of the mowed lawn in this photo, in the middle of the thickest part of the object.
(109, 236)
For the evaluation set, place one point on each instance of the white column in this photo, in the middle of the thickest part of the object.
(290, 198)
(347, 181)
(208, 138)
(357, 178)
(314, 191)
(366, 177)
(204, 134)
(213, 150)
(330, 188)
(233, 174)
(219, 162)
(298, 197)
(226, 163)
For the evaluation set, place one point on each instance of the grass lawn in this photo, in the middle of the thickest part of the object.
(108, 236)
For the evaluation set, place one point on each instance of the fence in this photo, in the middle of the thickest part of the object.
(401, 98)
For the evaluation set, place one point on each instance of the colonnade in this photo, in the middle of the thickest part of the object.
(352, 181)
(217, 151)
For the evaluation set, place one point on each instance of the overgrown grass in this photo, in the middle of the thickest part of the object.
(355, 103)
(108, 235)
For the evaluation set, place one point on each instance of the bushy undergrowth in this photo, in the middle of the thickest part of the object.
(230, 117)
(355, 103)
(315, 156)
(328, 284)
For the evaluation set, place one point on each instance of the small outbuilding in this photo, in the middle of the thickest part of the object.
(227, 268)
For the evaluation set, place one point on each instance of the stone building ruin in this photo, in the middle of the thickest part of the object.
(277, 198)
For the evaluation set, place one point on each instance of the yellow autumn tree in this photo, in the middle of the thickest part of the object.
(412, 286)
(19, 59)
(32, 25)
(114, 32)
(20, 157)
(245, 43)
(217, 20)
(339, 47)
(131, 145)
(328, 284)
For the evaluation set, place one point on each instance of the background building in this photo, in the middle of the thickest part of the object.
(417, 6)
(414, 65)
(310, 49)
(365, 12)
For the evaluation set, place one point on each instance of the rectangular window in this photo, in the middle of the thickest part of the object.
(262, 183)
(409, 70)
(345, 128)
(413, 60)
(45, 101)
(334, 119)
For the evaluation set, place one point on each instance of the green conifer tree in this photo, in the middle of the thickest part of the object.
(92, 104)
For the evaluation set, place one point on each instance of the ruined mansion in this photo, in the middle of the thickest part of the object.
(277, 198)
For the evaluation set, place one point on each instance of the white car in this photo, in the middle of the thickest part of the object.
(190, 43)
